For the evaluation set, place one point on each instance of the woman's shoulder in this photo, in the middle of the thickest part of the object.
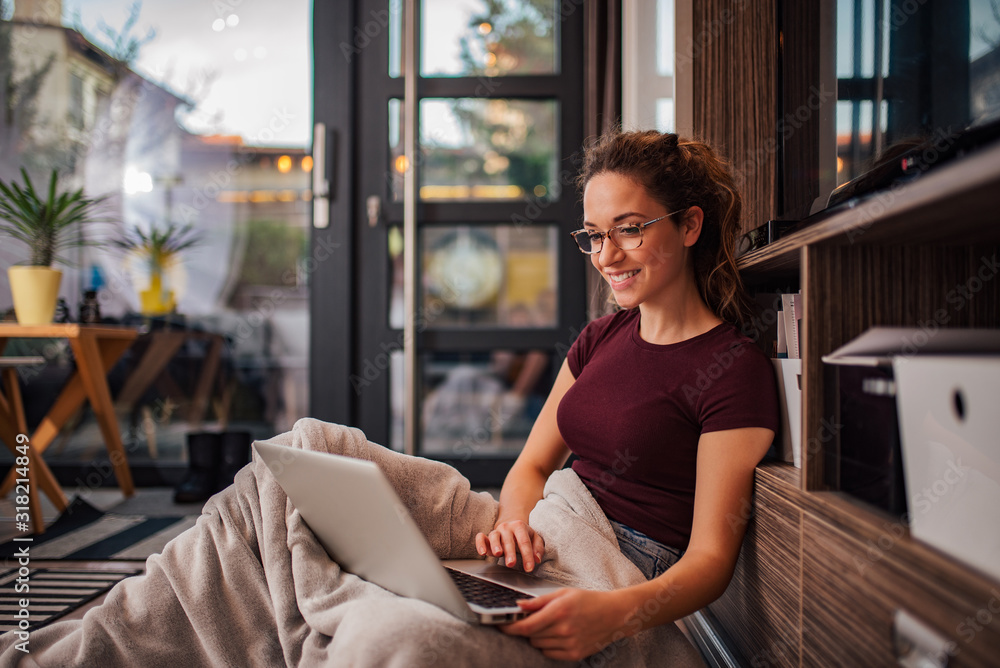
(608, 325)
(726, 337)
(596, 333)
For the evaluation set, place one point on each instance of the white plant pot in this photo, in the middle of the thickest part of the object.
(35, 291)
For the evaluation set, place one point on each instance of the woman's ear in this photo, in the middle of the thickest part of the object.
(691, 225)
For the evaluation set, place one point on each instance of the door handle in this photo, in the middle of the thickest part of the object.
(320, 181)
(373, 206)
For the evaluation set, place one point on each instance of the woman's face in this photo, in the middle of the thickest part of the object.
(658, 270)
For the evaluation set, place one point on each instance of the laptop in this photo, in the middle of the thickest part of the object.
(358, 518)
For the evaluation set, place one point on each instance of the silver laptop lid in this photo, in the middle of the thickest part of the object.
(362, 524)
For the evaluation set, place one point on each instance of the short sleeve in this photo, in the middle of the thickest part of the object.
(583, 348)
(748, 398)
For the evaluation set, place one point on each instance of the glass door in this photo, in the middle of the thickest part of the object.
(469, 288)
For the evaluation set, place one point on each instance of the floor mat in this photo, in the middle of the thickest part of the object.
(82, 532)
(45, 594)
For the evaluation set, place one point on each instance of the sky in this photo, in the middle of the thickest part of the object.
(260, 61)
(260, 55)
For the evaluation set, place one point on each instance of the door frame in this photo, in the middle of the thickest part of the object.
(338, 291)
(330, 266)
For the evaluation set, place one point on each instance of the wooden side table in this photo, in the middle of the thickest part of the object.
(96, 349)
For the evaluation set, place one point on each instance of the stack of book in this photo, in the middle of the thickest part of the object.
(777, 329)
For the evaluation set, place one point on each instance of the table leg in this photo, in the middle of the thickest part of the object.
(206, 379)
(73, 394)
(162, 348)
(39, 475)
(93, 375)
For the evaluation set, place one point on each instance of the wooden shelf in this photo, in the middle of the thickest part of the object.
(910, 214)
(821, 574)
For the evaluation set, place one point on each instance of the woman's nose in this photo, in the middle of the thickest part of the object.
(609, 253)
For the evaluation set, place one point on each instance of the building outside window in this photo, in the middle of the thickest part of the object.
(186, 114)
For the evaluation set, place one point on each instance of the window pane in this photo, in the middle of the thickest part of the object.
(476, 149)
(182, 132)
(463, 37)
(482, 404)
(396, 16)
(665, 114)
(665, 38)
(489, 276)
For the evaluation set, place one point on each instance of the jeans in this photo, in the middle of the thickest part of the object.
(650, 557)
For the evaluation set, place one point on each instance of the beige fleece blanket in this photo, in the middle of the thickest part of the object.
(249, 585)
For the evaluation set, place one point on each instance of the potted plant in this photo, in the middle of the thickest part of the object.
(158, 249)
(47, 224)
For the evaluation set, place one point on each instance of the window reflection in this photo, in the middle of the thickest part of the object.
(189, 137)
(487, 276)
(490, 276)
(887, 77)
(482, 404)
(478, 149)
(481, 38)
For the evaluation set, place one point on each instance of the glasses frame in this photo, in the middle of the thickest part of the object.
(607, 235)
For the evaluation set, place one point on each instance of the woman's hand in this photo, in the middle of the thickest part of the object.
(571, 624)
(510, 538)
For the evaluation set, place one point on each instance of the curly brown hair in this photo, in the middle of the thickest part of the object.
(681, 173)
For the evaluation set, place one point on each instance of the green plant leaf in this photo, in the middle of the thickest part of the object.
(44, 224)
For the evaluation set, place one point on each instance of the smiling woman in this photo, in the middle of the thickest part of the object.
(687, 179)
(669, 458)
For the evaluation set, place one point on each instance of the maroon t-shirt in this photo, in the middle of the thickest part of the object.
(635, 413)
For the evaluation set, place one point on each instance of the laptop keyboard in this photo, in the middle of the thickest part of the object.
(486, 594)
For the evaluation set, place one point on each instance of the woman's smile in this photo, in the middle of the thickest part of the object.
(620, 279)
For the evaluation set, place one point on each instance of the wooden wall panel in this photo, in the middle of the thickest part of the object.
(852, 588)
(735, 66)
(760, 609)
(803, 104)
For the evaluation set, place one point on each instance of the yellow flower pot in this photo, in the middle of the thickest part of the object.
(35, 291)
(156, 300)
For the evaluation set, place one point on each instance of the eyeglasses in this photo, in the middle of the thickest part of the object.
(626, 237)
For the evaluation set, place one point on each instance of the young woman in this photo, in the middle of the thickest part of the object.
(667, 407)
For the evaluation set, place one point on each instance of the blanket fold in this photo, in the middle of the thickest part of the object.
(249, 585)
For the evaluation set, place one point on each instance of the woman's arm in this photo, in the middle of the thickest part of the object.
(543, 453)
(573, 623)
